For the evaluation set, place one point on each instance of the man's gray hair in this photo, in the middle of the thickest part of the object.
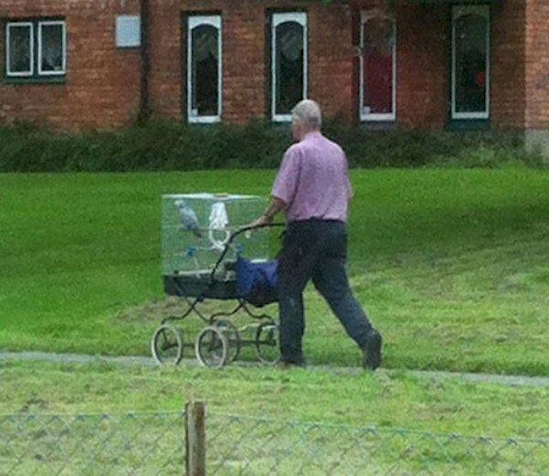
(307, 112)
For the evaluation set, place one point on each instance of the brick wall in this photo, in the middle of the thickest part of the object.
(537, 64)
(102, 89)
(166, 67)
(422, 67)
(246, 71)
(423, 48)
(508, 65)
(244, 66)
(332, 60)
(102, 82)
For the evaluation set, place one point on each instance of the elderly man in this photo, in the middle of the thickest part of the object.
(313, 189)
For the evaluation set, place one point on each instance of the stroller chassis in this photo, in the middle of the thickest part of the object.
(219, 343)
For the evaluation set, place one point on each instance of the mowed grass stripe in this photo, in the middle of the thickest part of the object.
(450, 264)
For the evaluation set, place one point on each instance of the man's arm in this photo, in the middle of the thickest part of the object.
(276, 205)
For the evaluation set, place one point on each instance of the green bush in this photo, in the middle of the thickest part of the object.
(167, 146)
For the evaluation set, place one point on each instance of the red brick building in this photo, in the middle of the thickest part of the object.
(407, 64)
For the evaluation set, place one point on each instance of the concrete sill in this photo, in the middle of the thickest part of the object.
(36, 80)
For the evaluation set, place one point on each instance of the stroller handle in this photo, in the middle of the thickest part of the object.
(241, 230)
(250, 228)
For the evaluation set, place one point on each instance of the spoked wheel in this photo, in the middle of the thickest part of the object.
(167, 345)
(212, 347)
(233, 339)
(266, 342)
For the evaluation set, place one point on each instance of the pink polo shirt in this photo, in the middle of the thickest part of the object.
(313, 180)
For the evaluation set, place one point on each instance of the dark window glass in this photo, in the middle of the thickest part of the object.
(51, 54)
(20, 49)
(289, 66)
(205, 71)
(470, 60)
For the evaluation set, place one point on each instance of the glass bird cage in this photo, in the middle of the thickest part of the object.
(196, 232)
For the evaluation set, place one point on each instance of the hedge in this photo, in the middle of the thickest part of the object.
(165, 146)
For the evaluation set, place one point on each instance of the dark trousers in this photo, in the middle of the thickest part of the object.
(315, 250)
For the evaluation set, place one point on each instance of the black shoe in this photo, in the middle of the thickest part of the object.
(371, 353)
(285, 365)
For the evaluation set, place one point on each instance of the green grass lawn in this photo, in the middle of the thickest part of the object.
(451, 265)
(103, 417)
(383, 399)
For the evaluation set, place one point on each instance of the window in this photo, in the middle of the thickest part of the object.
(204, 68)
(36, 49)
(377, 68)
(19, 51)
(470, 62)
(288, 63)
(51, 48)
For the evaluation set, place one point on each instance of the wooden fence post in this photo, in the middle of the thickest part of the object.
(195, 438)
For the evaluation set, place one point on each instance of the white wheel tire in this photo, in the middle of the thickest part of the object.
(267, 342)
(233, 339)
(212, 347)
(165, 338)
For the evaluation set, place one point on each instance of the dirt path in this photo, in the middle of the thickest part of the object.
(512, 380)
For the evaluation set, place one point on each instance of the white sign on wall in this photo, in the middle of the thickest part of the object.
(128, 31)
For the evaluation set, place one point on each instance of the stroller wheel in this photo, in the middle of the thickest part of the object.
(233, 339)
(212, 347)
(167, 345)
(266, 342)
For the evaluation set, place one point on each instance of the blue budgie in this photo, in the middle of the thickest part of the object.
(189, 219)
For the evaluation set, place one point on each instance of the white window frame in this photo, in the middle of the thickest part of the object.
(9, 26)
(277, 19)
(458, 11)
(193, 22)
(63, 69)
(364, 115)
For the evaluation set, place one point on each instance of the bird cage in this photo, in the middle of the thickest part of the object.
(196, 229)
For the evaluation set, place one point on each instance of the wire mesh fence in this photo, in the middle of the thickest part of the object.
(262, 447)
(91, 444)
(154, 444)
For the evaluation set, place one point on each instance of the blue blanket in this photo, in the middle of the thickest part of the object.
(257, 282)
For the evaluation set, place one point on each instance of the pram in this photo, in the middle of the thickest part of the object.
(250, 284)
